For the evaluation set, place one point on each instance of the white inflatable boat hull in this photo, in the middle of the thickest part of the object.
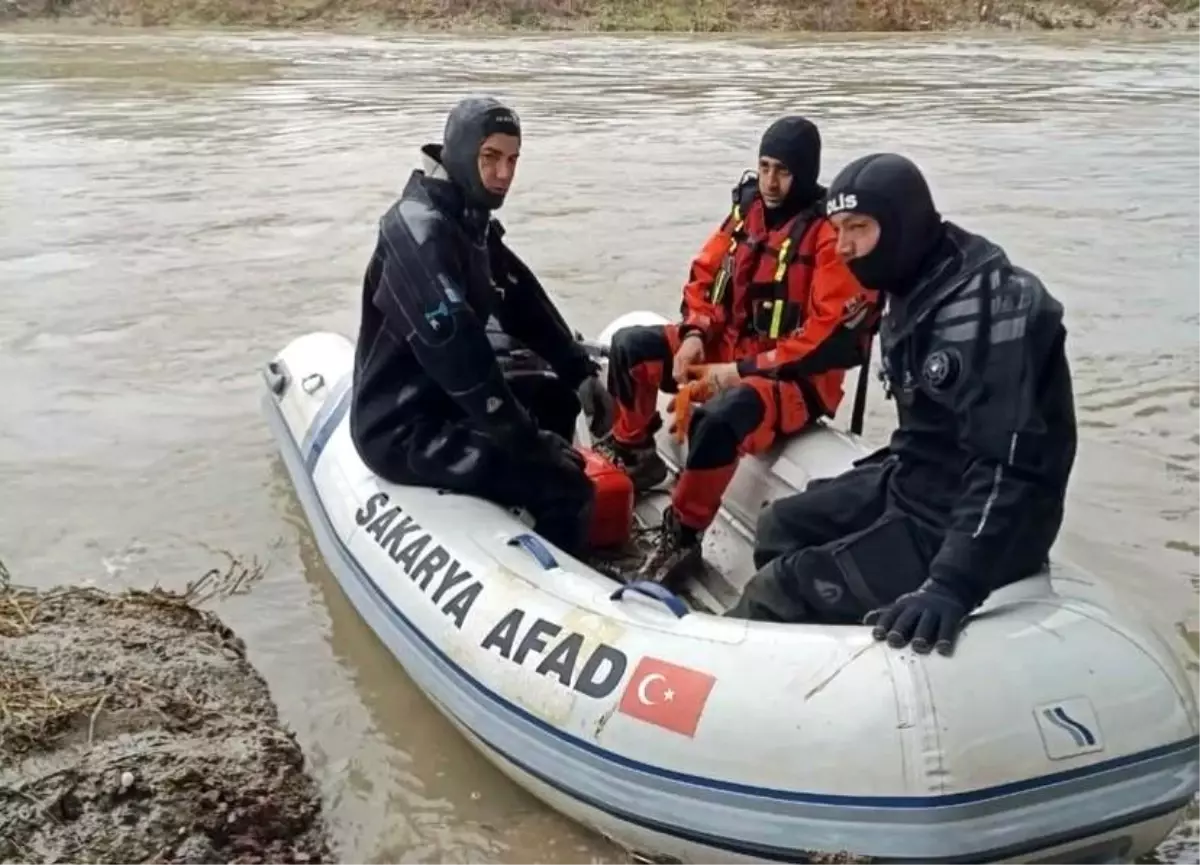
(1062, 728)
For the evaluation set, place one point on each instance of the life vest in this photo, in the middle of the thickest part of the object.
(763, 297)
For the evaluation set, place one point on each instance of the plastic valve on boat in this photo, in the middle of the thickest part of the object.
(312, 383)
(275, 377)
(658, 591)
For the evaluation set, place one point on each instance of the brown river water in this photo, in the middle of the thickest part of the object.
(175, 206)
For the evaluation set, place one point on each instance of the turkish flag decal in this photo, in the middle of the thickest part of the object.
(667, 695)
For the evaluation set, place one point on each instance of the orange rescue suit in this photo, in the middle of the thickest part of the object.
(780, 302)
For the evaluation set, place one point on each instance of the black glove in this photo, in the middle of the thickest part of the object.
(931, 616)
(514, 428)
(557, 450)
(597, 405)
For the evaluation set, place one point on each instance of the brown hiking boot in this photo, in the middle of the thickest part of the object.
(641, 462)
(677, 553)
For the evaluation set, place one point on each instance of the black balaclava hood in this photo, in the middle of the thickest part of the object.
(470, 122)
(892, 190)
(796, 142)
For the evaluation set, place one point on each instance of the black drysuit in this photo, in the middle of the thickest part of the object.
(432, 405)
(969, 494)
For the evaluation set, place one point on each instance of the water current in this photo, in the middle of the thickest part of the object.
(175, 206)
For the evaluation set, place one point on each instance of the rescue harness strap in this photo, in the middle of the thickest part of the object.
(783, 259)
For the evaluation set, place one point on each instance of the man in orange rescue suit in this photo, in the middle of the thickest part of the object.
(772, 318)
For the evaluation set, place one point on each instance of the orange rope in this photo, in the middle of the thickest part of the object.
(696, 391)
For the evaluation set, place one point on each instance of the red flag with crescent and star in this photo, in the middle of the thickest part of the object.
(666, 694)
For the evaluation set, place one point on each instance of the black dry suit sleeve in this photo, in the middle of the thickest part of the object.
(1013, 469)
(425, 306)
(528, 314)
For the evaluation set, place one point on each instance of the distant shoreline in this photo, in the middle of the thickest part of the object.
(623, 16)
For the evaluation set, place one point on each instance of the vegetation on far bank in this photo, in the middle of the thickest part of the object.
(705, 16)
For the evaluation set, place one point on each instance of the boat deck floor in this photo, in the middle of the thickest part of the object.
(715, 587)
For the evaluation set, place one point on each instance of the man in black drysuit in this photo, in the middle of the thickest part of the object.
(447, 309)
(969, 494)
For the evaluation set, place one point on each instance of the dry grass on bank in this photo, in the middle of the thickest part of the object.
(133, 729)
(702, 16)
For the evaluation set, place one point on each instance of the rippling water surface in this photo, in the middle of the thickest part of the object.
(174, 207)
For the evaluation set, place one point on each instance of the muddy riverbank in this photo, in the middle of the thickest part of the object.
(185, 203)
(133, 729)
(696, 16)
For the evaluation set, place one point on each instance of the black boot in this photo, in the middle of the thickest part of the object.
(677, 552)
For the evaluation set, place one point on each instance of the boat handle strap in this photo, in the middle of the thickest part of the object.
(535, 548)
(658, 591)
(533, 545)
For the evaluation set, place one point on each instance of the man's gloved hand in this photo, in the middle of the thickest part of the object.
(929, 617)
(556, 449)
(597, 405)
(513, 427)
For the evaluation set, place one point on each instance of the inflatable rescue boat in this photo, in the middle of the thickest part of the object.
(1064, 727)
